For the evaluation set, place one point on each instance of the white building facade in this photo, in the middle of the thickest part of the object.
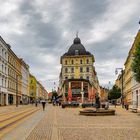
(135, 94)
(3, 72)
(25, 82)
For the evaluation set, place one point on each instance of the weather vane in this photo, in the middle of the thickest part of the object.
(77, 34)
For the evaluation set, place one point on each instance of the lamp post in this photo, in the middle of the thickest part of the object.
(122, 72)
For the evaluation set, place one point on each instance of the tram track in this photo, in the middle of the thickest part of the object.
(12, 115)
(10, 111)
(9, 123)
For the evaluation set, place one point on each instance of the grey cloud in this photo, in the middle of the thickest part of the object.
(42, 39)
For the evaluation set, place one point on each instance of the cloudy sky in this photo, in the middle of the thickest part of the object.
(40, 31)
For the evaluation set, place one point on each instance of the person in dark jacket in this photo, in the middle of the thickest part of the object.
(43, 104)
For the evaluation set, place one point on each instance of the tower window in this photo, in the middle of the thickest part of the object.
(66, 70)
(72, 70)
(81, 69)
(66, 62)
(87, 69)
(72, 62)
(81, 61)
(87, 61)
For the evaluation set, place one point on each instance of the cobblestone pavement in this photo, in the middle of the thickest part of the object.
(67, 124)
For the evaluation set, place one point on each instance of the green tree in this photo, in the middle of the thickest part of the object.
(136, 63)
(54, 94)
(114, 93)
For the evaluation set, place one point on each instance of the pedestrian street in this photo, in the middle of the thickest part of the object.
(56, 123)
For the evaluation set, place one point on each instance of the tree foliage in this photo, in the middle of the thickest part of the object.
(136, 63)
(114, 93)
(54, 94)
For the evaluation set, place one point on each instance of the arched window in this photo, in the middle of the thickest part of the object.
(87, 69)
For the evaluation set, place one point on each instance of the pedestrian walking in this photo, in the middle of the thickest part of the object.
(36, 102)
(43, 104)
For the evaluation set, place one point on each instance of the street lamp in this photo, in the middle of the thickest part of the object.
(122, 72)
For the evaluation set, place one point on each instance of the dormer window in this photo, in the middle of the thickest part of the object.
(76, 52)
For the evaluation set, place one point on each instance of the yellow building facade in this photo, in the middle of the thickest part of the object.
(32, 87)
(78, 73)
(128, 74)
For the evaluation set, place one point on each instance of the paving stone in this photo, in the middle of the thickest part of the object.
(67, 124)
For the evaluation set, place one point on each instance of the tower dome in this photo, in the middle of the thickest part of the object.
(77, 48)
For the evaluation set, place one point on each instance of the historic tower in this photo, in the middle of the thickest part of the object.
(78, 79)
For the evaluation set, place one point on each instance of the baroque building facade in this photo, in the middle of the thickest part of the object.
(78, 74)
